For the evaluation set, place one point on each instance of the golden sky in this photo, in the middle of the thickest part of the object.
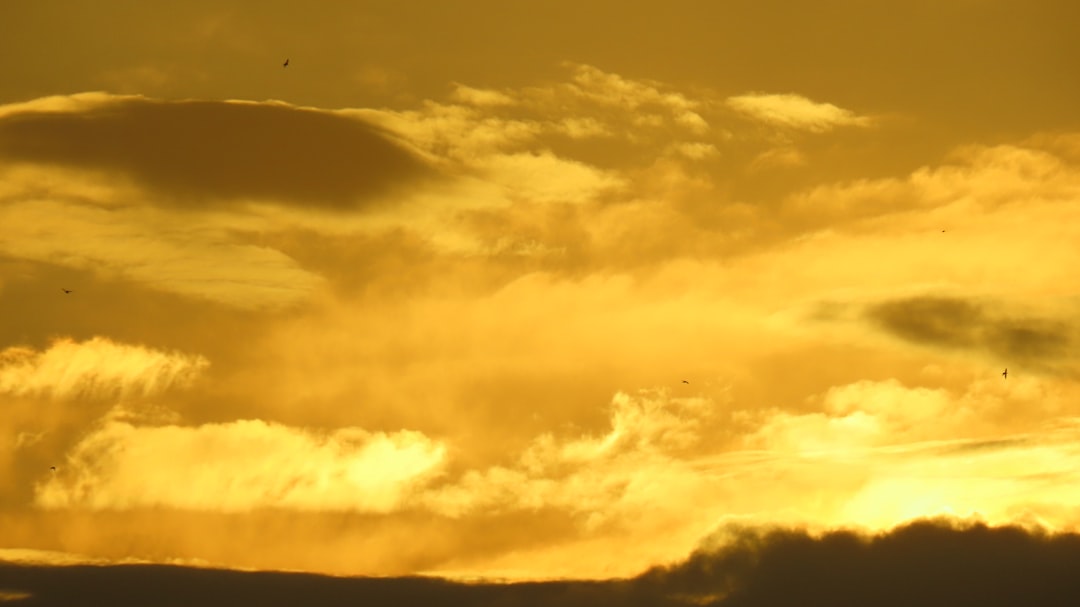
(531, 289)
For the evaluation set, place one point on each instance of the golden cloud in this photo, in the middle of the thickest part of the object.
(95, 368)
(480, 97)
(196, 258)
(241, 466)
(795, 111)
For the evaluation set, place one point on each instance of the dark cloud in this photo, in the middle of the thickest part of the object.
(981, 446)
(931, 320)
(121, 586)
(199, 151)
(923, 563)
(960, 323)
(1028, 338)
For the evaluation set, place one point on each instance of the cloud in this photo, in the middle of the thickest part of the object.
(455, 132)
(241, 466)
(129, 585)
(13, 595)
(954, 322)
(586, 127)
(891, 453)
(968, 190)
(581, 503)
(96, 368)
(632, 94)
(529, 176)
(779, 157)
(862, 415)
(485, 149)
(970, 564)
(489, 150)
(197, 257)
(630, 482)
(197, 152)
(651, 267)
(644, 207)
(967, 563)
(694, 150)
(643, 102)
(939, 320)
(63, 104)
(177, 195)
(795, 111)
(592, 104)
(480, 97)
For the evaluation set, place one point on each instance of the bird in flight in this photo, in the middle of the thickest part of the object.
(685, 382)
(1005, 374)
(66, 291)
(53, 468)
(286, 64)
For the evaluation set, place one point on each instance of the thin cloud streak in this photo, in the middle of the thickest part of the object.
(240, 466)
(198, 258)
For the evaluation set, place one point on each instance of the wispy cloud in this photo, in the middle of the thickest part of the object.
(96, 368)
(953, 322)
(480, 97)
(796, 112)
(735, 566)
(241, 466)
(198, 257)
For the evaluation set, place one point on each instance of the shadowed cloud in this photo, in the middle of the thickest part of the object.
(202, 151)
(961, 323)
(923, 563)
(931, 320)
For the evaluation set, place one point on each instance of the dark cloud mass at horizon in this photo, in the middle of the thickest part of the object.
(922, 563)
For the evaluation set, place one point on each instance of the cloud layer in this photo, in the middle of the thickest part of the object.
(240, 466)
(563, 324)
(964, 565)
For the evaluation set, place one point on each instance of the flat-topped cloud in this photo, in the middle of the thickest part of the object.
(198, 152)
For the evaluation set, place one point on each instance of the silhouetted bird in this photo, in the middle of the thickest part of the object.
(53, 468)
(1005, 374)
(685, 382)
(286, 64)
(66, 290)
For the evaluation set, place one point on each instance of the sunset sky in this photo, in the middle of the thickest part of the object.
(531, 290)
